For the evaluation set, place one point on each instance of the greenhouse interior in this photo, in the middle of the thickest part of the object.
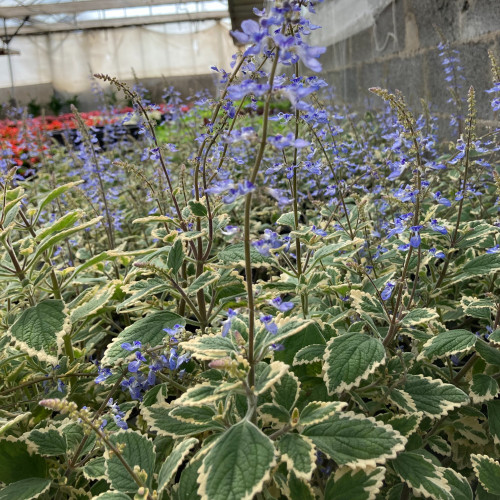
(249, 249)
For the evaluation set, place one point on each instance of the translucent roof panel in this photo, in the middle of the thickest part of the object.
(41, 16)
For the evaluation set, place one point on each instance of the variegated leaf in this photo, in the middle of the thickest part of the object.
(174, 461)
(298, 453)
(349, 359)
(487, 471)
(433, 397)
(356, 441)
(355, 484)
(237, 465)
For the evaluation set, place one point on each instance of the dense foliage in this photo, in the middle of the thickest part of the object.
(266, 296)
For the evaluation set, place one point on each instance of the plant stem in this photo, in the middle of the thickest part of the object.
(248, 208)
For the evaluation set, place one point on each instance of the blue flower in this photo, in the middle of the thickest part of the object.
(495, 249)
(242, 189)
(277, 347)
(436, 253)
(415, 239)
(227, 323)
(103, 374)
(436, 227)
(282, 141)
(269, 324)
(134, 366)
(172, 332)
(230, 230)
(120, 422)
(398, 228)
(129, 347)
(441, 199)
(387, 291)
(280, 305)
(318, 231)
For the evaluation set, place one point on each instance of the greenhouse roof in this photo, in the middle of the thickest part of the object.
(46, 16)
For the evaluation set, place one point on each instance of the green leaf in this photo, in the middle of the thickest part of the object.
(298, 453)
(439, 445)
(237, 465)
(174, 461)
(445, 344)
(402, 400)
(419, 316)
(266, 375)
(488, 472)
(273, 413)
(459, 486)
(287, 219)
(234, 255)
(138, 450)
(198, 209)
(158, 418)
(92, 303)
(489, 353)
(26, 489)
(96, 259)
(149, 330)
(175, 256)
(482, 265)
(199, 395)
(74, 433)
(95, 469)
(477, 308)
(202, 281)
(50, 241)
(494, 338)
(141, 290)
(327, 250)
(287, 327)
(55, 194)
(209, 347)
(483, 388)
(365, 303)
(422, 476)
(355, 484)
(494, 419)
(17, 463)
(112, 495)
(432, 397)
(476, 235)
(187, 487)
(311, 334)
(355, 441)
(48, 441)
(39, 330)
(349, 359)
(67, 220)
(198, 415)
(318, 411)
(286, 391)
(298, 489)
(406, 424)
(310, 354)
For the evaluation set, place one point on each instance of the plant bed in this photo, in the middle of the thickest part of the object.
(235, 306)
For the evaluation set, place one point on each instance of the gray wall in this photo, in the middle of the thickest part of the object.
(395, 47)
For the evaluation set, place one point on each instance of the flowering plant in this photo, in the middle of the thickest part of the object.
(305, 306)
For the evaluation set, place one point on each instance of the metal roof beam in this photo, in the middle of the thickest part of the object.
(118, 23)
(20, 11)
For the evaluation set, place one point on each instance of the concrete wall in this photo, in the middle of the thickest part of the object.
(393, 44)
